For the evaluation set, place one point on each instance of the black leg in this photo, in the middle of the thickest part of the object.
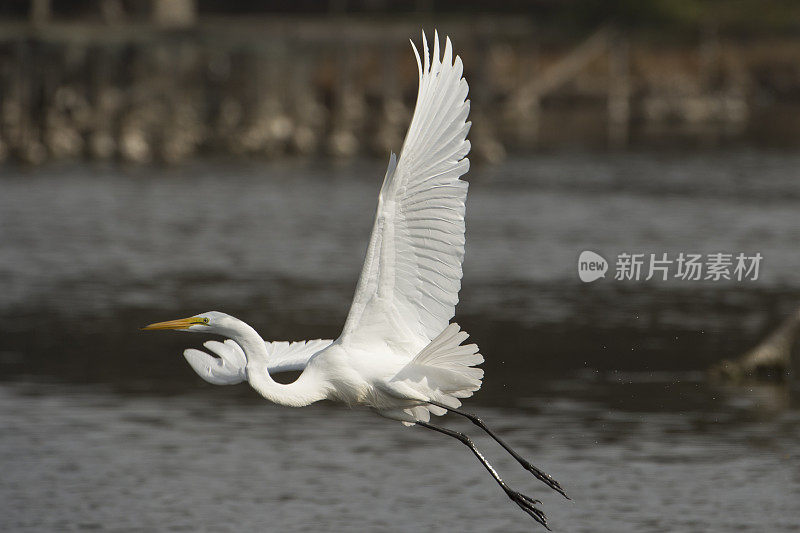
(527, 504)
(545, 478)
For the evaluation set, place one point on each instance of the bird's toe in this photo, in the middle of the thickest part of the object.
(528, 505)
(545, 478)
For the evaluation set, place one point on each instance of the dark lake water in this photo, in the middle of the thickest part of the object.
(105, 427)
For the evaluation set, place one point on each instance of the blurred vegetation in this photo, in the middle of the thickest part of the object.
(682, 17)
(730, 17)
(165, 80)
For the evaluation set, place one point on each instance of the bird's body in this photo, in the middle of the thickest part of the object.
(398, 353)
(395, 383)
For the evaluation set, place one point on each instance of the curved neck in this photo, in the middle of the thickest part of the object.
(310, 387)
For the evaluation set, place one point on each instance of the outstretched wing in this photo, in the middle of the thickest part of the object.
(229, 365)
(409, 284)
(283, 356)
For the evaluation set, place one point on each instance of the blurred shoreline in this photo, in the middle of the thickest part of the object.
(343, 87)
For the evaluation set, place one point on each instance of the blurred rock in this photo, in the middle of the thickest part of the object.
(771, 360)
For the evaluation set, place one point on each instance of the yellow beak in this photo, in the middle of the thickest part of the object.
(181, 323)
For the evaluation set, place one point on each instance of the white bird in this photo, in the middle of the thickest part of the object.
(397, 354)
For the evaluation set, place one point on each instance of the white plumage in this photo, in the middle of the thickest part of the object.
(412, 272)
(398, 353)
(229, 365)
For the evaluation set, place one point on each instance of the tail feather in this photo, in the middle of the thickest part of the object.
(443, 371)
(451, 362)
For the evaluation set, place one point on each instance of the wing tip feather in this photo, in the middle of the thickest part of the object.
(426, 69)
(436, 58)
(419, 61)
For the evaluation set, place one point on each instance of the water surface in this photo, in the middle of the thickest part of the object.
(602, 385)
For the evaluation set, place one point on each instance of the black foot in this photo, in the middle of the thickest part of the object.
(528, 505)
(544, 478)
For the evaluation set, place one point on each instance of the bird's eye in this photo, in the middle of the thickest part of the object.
(205, 320)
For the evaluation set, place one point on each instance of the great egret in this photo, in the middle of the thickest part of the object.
(397, 353)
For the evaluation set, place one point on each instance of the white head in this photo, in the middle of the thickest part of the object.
(209, 322)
